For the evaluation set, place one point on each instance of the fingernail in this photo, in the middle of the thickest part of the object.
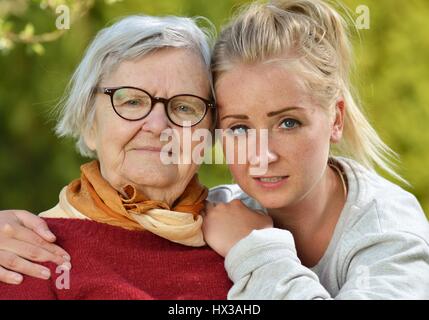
(66, 265)
(16, 278)
(49, 234)
(68, 258)
(45, 273)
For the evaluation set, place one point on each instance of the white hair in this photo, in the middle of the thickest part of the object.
(128, 39)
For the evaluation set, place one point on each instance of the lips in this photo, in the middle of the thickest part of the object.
(271, 179)
(271, 182)
(152, 149)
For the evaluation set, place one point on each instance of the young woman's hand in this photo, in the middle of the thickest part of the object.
(25, 237)
(227, 223)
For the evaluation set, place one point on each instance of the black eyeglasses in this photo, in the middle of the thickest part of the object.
(133, 104)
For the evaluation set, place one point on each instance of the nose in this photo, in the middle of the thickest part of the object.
(262, 156)
(261, 151)
(156, 121)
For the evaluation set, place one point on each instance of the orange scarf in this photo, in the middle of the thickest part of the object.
(95, 198)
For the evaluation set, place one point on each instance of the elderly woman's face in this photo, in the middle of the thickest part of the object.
(129, 151)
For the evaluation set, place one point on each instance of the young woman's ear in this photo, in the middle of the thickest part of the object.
(338, 125)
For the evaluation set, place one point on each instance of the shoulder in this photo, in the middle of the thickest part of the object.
(63, 209)
(378, 206)
(228, 192)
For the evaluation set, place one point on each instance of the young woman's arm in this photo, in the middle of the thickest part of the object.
(391, 265)
(24, 237)
(375, 255)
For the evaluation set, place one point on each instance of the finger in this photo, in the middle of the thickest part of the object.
(24, 234)
(14, 264)
(36, 224)
(10, 277)
(29, 251)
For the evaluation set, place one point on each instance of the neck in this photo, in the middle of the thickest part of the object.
(312, 220)
(165, 193)
(168, 195)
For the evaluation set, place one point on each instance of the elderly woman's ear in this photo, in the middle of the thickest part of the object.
(89, 137)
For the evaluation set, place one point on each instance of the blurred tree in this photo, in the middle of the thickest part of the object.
(65, 10)
(392, 77)
(37, 59)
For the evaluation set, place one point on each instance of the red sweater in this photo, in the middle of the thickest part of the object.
(114, 263)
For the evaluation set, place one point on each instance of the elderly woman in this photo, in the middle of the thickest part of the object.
(131, 222)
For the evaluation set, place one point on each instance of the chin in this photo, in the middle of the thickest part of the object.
(273, 203)
(151, 180)
(151, 175)
(277, 199)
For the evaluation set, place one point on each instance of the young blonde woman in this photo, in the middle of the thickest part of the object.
(338, 230)
(330, 228)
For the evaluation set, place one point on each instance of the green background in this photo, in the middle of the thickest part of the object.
(392, 77)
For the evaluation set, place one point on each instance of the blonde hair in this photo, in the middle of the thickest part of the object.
(314, 37)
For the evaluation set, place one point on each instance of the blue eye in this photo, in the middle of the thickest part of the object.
(290, 123)
(239, 130)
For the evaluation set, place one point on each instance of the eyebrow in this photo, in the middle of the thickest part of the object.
(274, 113)
(236, 116)
(269, 114)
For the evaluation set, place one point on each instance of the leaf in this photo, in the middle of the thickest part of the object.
(38, 49)
(27, 33)
(5, 45)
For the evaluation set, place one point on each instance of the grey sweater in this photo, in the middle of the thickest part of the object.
(379, 249)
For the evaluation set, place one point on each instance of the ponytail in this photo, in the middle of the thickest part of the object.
(313, 37)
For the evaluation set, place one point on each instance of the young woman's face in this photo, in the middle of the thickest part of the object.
(268, 96)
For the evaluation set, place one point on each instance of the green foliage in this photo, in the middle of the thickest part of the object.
(37, 60)
(393, 69)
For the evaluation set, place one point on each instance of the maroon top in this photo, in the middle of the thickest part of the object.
(114, 263)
